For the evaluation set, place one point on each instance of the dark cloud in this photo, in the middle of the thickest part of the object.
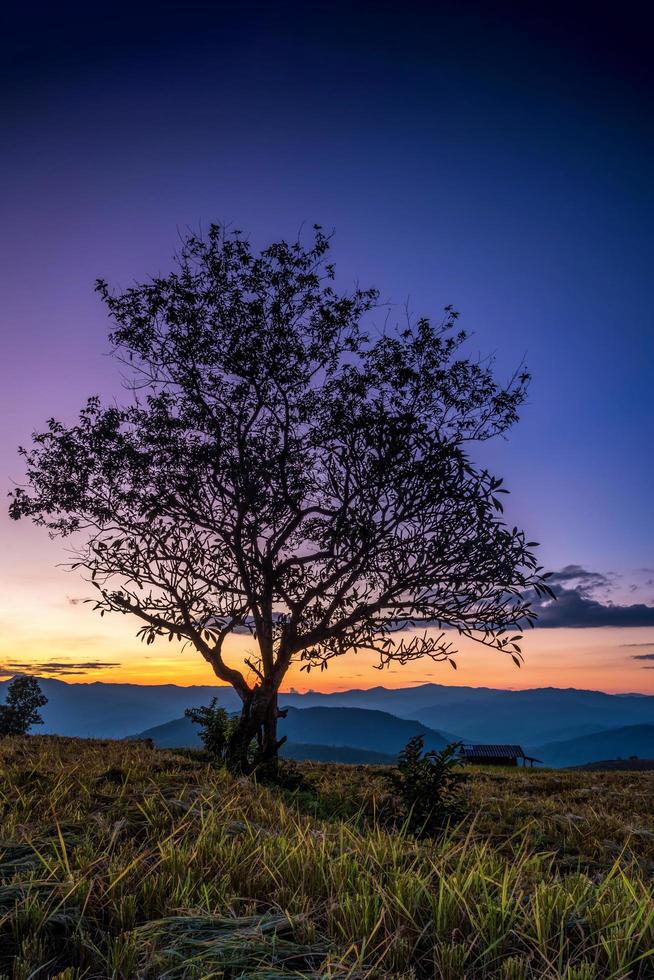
(643, 656)
(585, 580)
(575, 609)
(650, 644)
(569, 572)
(54, 667)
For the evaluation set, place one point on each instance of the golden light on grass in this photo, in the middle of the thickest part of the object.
(119, 860)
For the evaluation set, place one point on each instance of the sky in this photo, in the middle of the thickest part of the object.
(490, 156)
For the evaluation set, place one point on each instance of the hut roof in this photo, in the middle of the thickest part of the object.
(494, 751)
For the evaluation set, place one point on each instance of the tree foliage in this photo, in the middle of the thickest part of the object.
(21, 708)
(287, 470)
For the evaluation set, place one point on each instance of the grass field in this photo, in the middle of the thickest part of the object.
(117, 860)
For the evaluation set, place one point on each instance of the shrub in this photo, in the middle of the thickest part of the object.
(216, 728)
(428, 787)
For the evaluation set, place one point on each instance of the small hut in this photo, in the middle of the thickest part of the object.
(496, 755)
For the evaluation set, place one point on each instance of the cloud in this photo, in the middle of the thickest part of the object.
(650, 644)
(574, 609)
(643, 656)
(586, 580)
(55, 668)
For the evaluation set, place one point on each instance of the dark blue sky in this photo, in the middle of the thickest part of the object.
(490, 156)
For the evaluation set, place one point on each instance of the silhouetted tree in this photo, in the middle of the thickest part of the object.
(21, 708)
(282, 471)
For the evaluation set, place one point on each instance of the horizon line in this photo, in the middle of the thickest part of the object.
(344, 690)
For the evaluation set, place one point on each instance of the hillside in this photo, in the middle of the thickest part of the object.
(116, 710)
(619, 765)
(122, 861)
(531, 717)
(401, 701)
(630, 740)
(354, 728)
(537, 716)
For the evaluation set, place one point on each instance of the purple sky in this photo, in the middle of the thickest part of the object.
(494, 161)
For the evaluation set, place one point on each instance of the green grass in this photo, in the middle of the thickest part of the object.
(121, 861)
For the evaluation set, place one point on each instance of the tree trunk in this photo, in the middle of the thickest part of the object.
(254, 743)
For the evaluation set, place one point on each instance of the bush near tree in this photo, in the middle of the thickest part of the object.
(215, 728)
(429, 787)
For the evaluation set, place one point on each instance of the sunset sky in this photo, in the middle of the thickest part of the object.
(487, 156)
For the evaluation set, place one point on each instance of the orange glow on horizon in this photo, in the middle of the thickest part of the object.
(42, 618)
(67, 634)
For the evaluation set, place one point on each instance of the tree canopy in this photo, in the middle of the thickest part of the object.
(284, 468)
(21, 708)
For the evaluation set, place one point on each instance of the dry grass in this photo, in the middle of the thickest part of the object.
(121, 861)
(585, 818)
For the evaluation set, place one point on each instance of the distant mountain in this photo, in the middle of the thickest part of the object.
(537, 716)
(629, 740)
(180, 733)
(116, 710)
(534, 717)
(351, 728)
(402, 701)
(356, 727)
(492, 715)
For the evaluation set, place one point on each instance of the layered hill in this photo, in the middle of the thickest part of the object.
(99, 710)
(533, 718)
(630, 740)
(340, 728)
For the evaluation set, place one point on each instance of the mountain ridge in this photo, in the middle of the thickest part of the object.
(351, 728)
(611, 744)
(531, 717)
